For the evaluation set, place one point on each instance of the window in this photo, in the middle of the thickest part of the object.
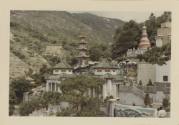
(165, 78)
(107, 70)
(99, 70)
(63, 70)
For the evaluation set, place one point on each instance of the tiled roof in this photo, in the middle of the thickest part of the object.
(62, 65)
(105, 64)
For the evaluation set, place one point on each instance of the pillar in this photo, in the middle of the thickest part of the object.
(94, 93)
(114, 90)
(89, 92)
(104, 91)
(55, 87)
(109, 87)
(111, 107)
(47, 86)
(50, 84)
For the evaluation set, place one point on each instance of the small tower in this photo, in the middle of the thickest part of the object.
(144, 41)
(83, 56)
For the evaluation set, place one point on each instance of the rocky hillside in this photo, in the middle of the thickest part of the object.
(32, 31)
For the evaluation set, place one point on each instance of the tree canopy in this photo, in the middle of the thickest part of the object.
(157, 55)
(74, 91)
(129, 35)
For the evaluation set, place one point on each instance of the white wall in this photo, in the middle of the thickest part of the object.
(145, 71)
(109, 89)
(159, 42)
(163, 70)
(59, 71)
(103, 72)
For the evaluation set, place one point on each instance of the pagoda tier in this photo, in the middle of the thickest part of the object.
(82, 48)
(83, 56)
(82, 41)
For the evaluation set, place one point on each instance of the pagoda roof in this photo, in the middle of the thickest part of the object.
(62, 65)
(105, 64)
(58, 77)
(110, 76)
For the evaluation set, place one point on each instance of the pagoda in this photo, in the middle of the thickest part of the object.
(83, 56)
(144, 41)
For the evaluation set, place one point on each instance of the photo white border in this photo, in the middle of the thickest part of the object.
(86, 5)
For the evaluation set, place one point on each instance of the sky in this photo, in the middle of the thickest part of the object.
(126, 15)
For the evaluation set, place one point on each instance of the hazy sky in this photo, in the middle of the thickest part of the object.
(126, 16)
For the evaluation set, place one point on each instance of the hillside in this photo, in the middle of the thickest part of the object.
(32, 31)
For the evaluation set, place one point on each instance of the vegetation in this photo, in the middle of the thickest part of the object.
(140, 83)
(39, 78)
(34, 30)
(16, 90)
(147, 100)
(99, 51)
(165, 103)
(125, 38)
(150, 83)
(157, 55)
(75, 91)
(53, 60)
(128, 36)
(42, 101)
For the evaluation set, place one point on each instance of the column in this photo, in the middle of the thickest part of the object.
(55, 87)
(47, 86)
(94, 93)
(50, 84)
(111, 107)
(89, 92)
(109, 87)
(114, 91)
(104, 91)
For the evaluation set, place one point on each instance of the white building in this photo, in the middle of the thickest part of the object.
(60, 72)
(163, 72)
(163, 34)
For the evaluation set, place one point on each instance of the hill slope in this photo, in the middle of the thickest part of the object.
(32, 31)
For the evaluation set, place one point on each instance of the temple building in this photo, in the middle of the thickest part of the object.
(59, 73)
(155, 72)
(112, 75)
(104, 67)
(163, 34)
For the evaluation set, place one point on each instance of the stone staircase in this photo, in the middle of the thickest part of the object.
(132, 89)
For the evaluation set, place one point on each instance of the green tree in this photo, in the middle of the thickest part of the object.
(129, 35)
(53, 98)
(99, 51)
(75, 89)
(165, 102)
(150, 83)
(17, 89)
(140, 83)
(147, 100)
(126, 38)
(157, 55)
(40, 77)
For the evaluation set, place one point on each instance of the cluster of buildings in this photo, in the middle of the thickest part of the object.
(117, 83)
